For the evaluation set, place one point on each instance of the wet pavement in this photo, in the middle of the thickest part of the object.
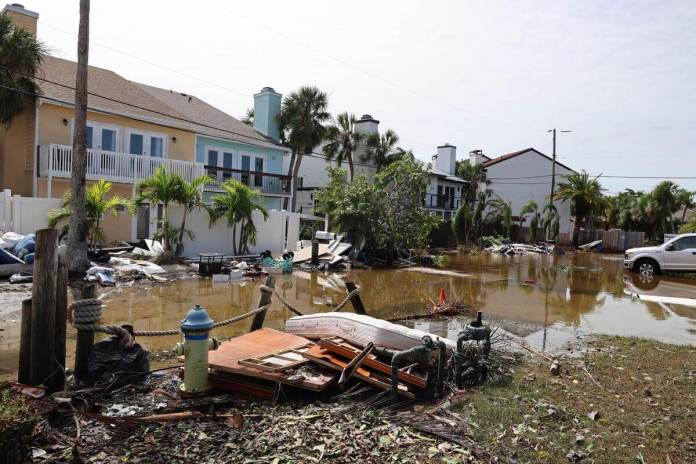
(548, 300)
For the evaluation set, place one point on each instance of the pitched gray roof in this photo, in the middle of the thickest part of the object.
(145, 102)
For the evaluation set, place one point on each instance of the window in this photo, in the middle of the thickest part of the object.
(89, 136)
(258, 167)
(135, 144)
(212, 163)
(227, 164)
(143, 143)
(685, 243)
(246, 166)
(156, 146)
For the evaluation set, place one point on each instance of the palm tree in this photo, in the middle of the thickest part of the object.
(164, 188)
(380, 149)
(550, 223)
(190, 198)
(532, 208)
(685, 200)
(343, 141)
(301, 120)
(21, 55)
(248, 118)
(237, 205)
(473, 175)
(664, 197)
(97, 206)
(585, 196)
(500, 212)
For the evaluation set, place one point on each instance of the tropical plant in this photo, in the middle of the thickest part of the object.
(164, 188)
(500, 212)
(342, 141)
(190, 198)
(21, 55)
(585, 196)
(532, 208)
(301, 122)
(550, 223)
(97, 206)
(665, 204)
(384, 215)
(248, 118)
(685, 200)
(474, 176)
(381, 149)
(468, 220)
(237, 205)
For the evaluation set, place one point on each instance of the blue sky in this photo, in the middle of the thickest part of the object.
(478, 74)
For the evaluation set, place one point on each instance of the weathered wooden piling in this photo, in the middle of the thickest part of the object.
(43, 308)
(315, 252)
(24, 370)
(264, 299)
(355, 299)
(57, 382)
(84, 340)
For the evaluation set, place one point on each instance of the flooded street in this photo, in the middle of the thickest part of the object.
(548, 300)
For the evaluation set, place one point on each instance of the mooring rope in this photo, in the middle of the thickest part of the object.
(87, 313)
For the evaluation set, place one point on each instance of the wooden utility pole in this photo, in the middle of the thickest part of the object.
(78, 261)
(553, 168)
(43, 308)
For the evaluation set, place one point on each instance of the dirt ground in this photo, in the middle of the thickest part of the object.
(11, 296)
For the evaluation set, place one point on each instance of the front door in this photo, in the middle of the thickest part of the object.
(681, 254)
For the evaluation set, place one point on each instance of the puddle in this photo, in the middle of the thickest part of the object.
(545, 299)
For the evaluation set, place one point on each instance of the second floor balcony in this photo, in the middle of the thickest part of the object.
(55, 161)
(265, 182)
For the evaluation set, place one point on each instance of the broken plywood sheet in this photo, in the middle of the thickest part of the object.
(325, 358)
(278, 361)
(305, 254)
(429, 270)
(261, 343)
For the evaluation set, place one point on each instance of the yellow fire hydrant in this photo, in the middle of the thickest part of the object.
(195, 346)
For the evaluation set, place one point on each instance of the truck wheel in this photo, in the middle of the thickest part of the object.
(646, 266)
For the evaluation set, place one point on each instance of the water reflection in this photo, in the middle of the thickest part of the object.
(542, 298)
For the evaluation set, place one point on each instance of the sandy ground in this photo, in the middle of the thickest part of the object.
(11, 296)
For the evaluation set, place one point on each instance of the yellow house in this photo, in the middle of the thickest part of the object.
(132, 129)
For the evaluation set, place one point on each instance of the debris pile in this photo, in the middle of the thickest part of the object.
(512, 249)
(17, 256)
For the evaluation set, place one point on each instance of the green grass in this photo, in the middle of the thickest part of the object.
(645, 396)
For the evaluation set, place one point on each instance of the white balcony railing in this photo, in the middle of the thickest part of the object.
(56, 161)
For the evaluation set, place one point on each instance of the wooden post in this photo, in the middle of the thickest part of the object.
(355, 299)
(264, 299)
(58, 381)
(315, 252)
(84, 341)
(24, 371)
(43, 308)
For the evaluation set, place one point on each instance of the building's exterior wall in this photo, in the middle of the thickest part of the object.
(52, 129)
(431, 192)
(115, 228)
(17, 154)
(512, 185)
(273, 158)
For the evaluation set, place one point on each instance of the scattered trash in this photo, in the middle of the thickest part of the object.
(591, 246)
(103, 275)
(23, 277)
(555, 368)
(511, 249)
(110, 363)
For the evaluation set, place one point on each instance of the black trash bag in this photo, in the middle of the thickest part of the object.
(110, 364)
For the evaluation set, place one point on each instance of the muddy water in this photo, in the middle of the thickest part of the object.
(543, 298)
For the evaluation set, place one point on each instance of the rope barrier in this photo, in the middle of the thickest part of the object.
(86, 315)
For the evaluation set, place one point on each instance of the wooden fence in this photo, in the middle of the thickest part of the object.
(613, 240)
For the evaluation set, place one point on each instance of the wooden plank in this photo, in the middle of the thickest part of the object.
(341, 347)
(259, 343)
(321, 356)
(43, 310)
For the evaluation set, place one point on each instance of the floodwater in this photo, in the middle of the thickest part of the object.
(548, 300)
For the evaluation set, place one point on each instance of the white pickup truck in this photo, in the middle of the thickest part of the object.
(676, 254)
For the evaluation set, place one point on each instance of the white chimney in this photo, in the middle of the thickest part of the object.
(476, 157)
(446, 159)
(367, 125)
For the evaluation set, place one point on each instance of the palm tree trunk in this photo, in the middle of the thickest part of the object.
(234, 240)
(78, 261)
(291, 169)
(351, 169)
(180, 242)
(295, 173)
(165, 228)
(576, 232)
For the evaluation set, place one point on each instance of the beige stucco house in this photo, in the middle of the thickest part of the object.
(132, 129)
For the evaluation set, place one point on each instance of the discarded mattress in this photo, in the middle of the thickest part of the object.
(359, 329)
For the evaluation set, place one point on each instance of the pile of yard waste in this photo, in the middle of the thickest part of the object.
(511, 249)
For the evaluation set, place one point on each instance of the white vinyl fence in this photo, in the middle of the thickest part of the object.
(279, 232)
(25, 215)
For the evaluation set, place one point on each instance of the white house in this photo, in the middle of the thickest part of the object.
(525, 175)
(444, 191)
(313, 175)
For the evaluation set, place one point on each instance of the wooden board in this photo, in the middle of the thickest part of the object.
(260, 343)
(342, 348)
(321, 356)
(305, 254)
(278, 361)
